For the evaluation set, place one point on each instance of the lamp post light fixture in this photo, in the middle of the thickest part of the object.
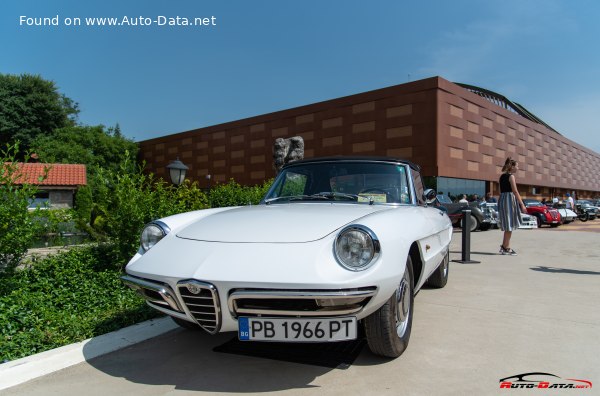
(208, 177)
(177, 171)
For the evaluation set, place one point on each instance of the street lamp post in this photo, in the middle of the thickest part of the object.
(208, 177)
(177, 171)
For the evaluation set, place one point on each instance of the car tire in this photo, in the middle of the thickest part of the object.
(473, 223)
(388, 329)
(539, 221)
(554, 225)
(439, 277)
(185, 324)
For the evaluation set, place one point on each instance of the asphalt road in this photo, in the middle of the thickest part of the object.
(535, 312)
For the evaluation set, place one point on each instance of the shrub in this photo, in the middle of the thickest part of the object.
(126, 200)
(64, 299)
(234, 194)
(16, 230)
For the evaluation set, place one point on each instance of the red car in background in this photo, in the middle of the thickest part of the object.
(542, 213)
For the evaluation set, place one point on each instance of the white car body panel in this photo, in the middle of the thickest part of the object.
(567, 214)
(277, 223)
(296, 265)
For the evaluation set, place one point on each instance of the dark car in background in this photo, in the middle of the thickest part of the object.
(586, 210)
(542, 213)
(479, 220)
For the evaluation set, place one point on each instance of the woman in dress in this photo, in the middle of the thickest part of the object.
(510, 205)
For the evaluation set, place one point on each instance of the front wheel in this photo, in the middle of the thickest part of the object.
(388, 328)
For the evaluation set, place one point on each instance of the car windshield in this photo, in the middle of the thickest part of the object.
(359, 182)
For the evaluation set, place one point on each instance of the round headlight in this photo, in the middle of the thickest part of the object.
(356, 247)
(152, 234)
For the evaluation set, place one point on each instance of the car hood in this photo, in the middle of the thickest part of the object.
(277, 223)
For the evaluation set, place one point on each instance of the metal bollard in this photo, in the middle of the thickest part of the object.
(466, 239)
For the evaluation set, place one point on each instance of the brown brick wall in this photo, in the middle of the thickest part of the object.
(397, 121)
(473, 130)
(439, 125)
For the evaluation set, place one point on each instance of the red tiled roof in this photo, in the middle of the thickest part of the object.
(58, 174)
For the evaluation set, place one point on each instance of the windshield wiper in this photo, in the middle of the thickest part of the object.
(332, 194)
(294, 197)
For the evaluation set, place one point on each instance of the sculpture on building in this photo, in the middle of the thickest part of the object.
(287, 150)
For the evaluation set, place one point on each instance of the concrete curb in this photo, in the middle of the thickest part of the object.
(22, 370)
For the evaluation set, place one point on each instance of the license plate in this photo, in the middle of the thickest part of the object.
(297, 329)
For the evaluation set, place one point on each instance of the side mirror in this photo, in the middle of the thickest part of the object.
(429, 196)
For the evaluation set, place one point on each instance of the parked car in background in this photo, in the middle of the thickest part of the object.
(479, 221)
(490, 210)
(567, 215)
(528, 221)
(585, 211)
(337, 244)
(590, 203)
(542, 213)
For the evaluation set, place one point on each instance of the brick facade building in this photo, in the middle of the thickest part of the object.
(459, 134)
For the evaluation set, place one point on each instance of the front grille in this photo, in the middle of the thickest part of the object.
(202, 301)
(261, 302)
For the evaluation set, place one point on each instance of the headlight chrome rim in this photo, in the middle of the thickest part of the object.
(163, 231)
(367, 232)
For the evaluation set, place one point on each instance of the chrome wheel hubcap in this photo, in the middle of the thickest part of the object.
(403, 305)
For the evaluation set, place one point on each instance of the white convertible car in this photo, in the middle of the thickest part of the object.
(336, 244)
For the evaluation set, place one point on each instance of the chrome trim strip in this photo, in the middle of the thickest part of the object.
(165, 291)
(323, 312)
(296, 294)
(216, 301)
(166, 229)
(413, 191)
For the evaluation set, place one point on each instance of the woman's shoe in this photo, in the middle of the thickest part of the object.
(504, 251)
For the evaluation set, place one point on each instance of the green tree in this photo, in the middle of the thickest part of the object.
(31, 106)
(94, 146)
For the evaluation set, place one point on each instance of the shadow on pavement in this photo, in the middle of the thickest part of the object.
(480, 253)
(563, 271)
(186, 360)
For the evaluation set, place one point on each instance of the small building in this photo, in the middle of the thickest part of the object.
(57, 183)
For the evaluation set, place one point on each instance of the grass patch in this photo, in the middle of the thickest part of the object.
(64, 299)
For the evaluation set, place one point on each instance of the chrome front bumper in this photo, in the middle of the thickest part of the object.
(199, 301)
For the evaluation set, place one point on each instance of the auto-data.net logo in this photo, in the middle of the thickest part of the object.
(542, 381)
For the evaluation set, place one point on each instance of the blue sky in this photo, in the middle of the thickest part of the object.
(268, 55)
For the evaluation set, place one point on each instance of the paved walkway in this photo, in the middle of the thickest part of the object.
(535, 312)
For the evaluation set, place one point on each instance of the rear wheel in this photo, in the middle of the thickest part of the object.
(439, 277)
(388, 328)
